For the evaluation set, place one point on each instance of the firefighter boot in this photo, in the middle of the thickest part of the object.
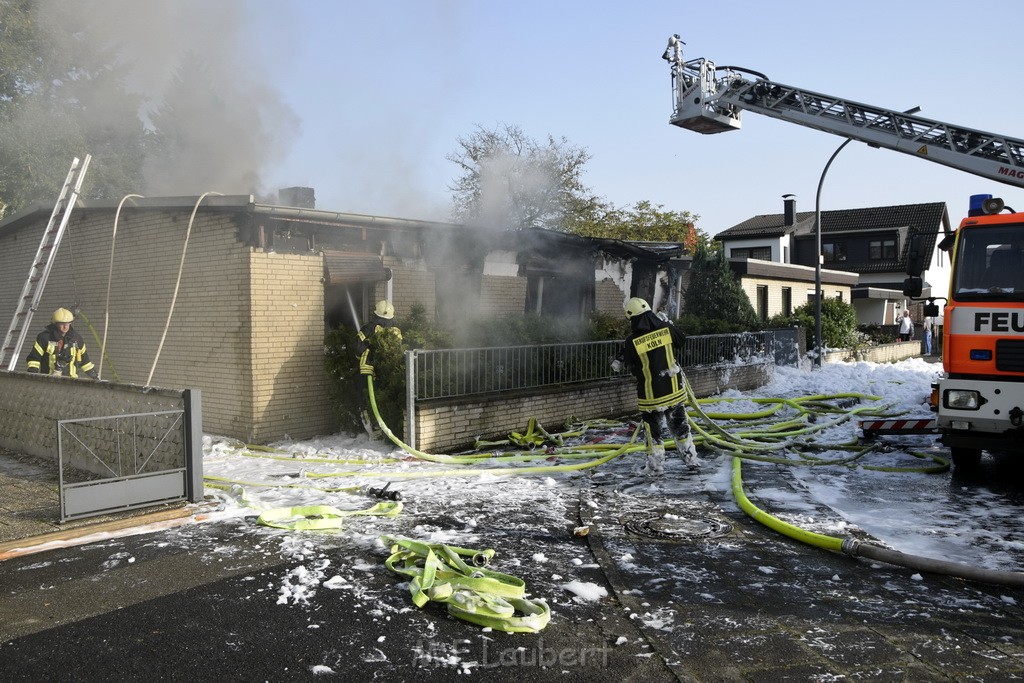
(655, 459)
(689, 452)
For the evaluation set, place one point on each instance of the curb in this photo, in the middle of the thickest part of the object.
(155, 521)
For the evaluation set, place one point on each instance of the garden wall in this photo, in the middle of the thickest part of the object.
(451, 424)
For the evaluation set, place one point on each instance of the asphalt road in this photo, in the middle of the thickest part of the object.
(692, 590)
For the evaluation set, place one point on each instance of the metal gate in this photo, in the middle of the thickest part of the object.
(121, 462)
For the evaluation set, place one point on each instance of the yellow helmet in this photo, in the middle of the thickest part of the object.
(636, 306)
(384, 309)
(62, 315)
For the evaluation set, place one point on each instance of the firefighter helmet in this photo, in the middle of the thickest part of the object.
(384, 309)
(62, 315)
(636, 306)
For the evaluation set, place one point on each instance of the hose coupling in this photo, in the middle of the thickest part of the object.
(851, 546)
(384, 494)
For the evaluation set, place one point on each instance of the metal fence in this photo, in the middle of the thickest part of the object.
(449, 373)
(122, 462)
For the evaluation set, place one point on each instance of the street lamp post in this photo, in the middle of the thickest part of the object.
(817, 252)
(817, 241)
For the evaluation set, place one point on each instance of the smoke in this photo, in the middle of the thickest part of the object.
(192, 63)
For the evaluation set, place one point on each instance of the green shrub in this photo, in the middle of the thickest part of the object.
(876, 335)
(347, 388)
(693, 324)
(838, 323)
(606, 327)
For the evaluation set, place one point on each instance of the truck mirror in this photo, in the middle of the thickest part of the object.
(917, 259)
(930, 310)
(912, 287)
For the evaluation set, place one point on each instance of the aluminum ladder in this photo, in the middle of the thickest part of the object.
(32, 292)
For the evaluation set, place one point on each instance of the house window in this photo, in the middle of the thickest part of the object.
(839, 295)
(787, 301)
(833, 252)
(882, 250)
(762, 302)
(760, 253)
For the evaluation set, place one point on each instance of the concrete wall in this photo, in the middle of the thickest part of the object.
(883, 353)
(444, 426)
(31, 405)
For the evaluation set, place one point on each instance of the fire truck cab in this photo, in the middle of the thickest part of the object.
(979, 402)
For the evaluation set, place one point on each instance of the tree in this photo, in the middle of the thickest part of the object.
(715, 292)
(511, 181)
(643, 222)
(61, 98)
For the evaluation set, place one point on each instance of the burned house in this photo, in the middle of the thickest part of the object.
(233, 297)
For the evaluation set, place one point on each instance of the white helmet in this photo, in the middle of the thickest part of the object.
(636, 306)
(384, 309)
(62, 315)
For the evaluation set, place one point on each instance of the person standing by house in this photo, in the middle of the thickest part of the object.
(651, 354)
(60, 350)
(906, 326)
(928, 329)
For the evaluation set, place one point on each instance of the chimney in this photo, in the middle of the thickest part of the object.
(789, 209)
(299, 197)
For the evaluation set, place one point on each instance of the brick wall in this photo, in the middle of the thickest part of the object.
(442, 426)
(409, 286)
(608, 298)
(247, 328)
(289, 382)
(500, 295)
(207, 345)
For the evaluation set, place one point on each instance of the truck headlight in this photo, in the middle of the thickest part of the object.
(962, 399)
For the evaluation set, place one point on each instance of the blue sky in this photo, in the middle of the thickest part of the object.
(382, 91)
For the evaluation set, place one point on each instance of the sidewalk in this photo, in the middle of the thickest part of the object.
(30, 506)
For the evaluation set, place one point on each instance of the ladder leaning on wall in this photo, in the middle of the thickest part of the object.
(32, 292)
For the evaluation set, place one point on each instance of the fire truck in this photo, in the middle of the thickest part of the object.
(979, 400)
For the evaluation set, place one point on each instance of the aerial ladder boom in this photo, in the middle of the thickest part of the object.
(710, 99)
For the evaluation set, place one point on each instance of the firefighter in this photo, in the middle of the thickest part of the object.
(381, 320)
(60, 350)
(651, 353)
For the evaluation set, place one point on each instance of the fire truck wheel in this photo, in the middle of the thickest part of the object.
(965, 458)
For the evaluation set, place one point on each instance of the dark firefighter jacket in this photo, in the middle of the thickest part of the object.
(651, 353)
(366, 334)
(56, 355)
